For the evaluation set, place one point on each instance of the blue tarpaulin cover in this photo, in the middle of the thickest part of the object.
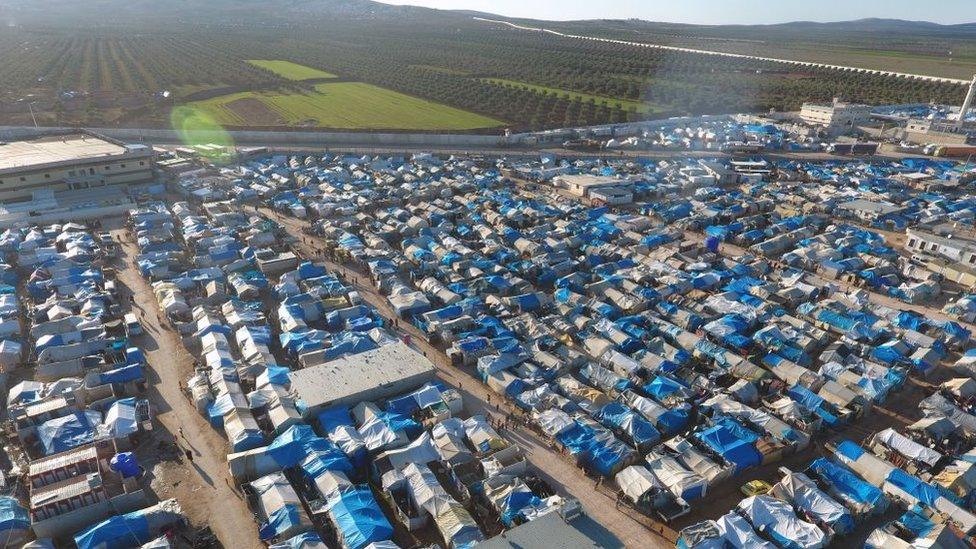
(64, 433)
(119, 532)
(924, 492)
(915, 521)
(331, 418)
(132, 372)
(850, 450)
(282, 520)
(734, 443)
(358, 517)
(849, 484)
(12, 515)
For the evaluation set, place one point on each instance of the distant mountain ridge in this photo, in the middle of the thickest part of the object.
(299, 11)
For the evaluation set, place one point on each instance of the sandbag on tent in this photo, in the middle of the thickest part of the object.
(803, 493)
(131, 529)
(777, 519)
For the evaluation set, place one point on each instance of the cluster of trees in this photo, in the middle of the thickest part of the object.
(401, 57)
(59, 61)
(448, 63)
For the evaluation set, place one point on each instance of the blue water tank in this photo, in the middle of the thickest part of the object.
(125, 464)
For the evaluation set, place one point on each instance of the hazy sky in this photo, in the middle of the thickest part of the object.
(718, 11)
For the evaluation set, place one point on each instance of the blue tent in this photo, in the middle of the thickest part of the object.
(358, 517)
(119, 532)
(64, 433)
(282, 520)
(734, 443)
(13, 516)
(849, 484)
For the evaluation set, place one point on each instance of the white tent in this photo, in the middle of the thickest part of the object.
(777, 518)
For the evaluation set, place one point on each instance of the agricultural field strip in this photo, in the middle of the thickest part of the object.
(626, 104)
(350, 105)
(289, 70)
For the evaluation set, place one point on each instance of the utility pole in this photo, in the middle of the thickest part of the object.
(30, 106)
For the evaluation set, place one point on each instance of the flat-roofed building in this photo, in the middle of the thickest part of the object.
(943, 240)
(837, 114)
(70, 162)
(869, 210)
(75, 489)
(584, 185)
(374, 375)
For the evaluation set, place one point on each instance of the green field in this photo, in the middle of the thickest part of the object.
(289, 70)
(625, 104)
(341, 105)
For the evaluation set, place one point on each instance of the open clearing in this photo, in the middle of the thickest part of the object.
(345, 105)
(625, 104)
(289, 70)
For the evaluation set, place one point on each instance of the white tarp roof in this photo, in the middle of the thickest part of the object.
(777, 517)
(739, 533)
(803, 493)
(672, 475)
(553, 421)
(635, 481)
(907, 447)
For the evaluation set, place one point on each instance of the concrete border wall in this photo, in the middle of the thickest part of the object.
(21, 219)
(12, 133)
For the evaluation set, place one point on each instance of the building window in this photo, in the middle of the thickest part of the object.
(91, 171)
(107, 168)
(141, 163)
(23, 179)
(912, 242)
(972, 258)
(121, 165)
(934, 247)
(47, 176)
(71, 173)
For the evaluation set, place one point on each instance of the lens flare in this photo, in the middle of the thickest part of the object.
(199, 130)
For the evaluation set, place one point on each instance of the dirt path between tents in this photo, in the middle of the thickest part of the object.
(202, 487)
(631, 528)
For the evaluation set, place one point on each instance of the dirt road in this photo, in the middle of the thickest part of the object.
(629, 527)
(202, 487)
